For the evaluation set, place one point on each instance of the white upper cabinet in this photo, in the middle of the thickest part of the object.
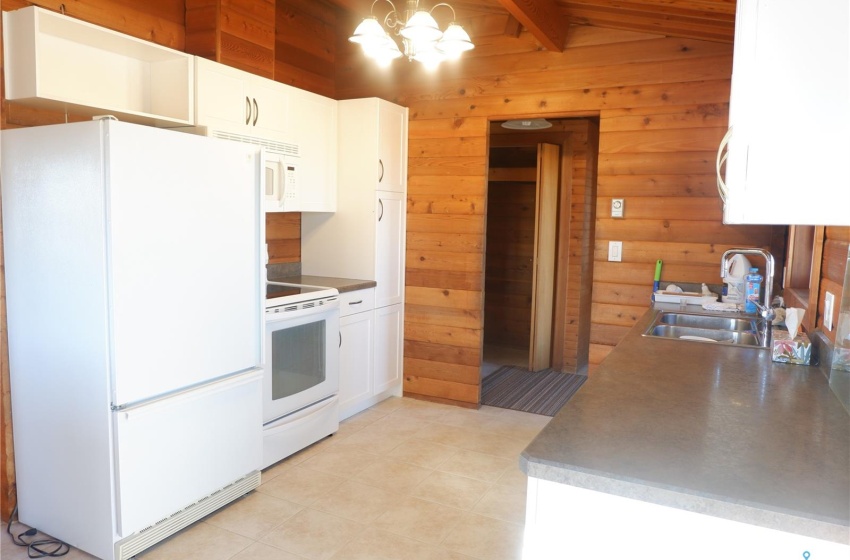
(313, 127)
(365, 239)
(239, 102)
(789, 147)
(392, 147)
(56, 62)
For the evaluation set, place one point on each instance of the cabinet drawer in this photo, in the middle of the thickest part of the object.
(356, 301)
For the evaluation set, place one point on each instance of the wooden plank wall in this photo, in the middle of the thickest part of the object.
(833, 267)
(662, 105)
(509, 260)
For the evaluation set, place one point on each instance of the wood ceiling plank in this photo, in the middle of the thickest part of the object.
(543, 18)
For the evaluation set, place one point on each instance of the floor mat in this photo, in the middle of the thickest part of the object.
(539, 392)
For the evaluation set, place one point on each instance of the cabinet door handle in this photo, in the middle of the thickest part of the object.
(381, 177)
(722, 154)
(256, 112)
(340, 339)
(381, 202)
(358, 302)
(247, 110)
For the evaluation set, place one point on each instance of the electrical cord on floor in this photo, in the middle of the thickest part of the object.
(41, 548)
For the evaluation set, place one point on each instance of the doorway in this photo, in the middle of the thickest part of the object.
(539, 248)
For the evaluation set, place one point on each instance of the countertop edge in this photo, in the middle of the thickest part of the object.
(828, 530)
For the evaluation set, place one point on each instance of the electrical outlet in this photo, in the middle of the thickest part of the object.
(828, 308)
(615, 251)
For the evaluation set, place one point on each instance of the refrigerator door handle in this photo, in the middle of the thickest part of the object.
(126, 407)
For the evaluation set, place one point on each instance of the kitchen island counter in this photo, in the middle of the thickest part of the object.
(706, 428)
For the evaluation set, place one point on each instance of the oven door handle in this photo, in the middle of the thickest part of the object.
(340, 339)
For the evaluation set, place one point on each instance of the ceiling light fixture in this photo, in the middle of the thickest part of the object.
(527, 124)
(421, 37)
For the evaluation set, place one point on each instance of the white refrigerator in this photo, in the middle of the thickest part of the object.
(135, 297)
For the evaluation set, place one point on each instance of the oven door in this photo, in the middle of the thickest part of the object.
(301, 360)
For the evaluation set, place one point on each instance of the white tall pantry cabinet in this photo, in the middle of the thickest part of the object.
(365, 238)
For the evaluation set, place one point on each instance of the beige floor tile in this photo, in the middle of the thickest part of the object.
(392, 475)
(388, 405)
(423, 453)
(356, 501)
(494, 444)
(463, 418)
(514, 477)
(398, 424)
(260, 551)
(376, 544)
(430, 412)
(367, 416)
(274, 470)
(421, 520)
(313, 534)
(476, 465)
(300, 486)
(451, 490)
(486, 538)
(254, 515)
(449, 435)
(503, 502)
(371, 441)
(200, 541)
(511, 428)
(339, 461)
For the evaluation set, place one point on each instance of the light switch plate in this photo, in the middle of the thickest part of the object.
(828, 309)
(615, 251)
(617, 207)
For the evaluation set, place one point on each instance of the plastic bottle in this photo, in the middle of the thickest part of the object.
(754, 280)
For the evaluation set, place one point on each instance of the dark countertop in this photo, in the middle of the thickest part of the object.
(709, 428)
(341, 284)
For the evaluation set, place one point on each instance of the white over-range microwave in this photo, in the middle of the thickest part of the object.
(280, 162)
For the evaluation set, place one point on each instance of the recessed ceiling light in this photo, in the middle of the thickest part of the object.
(526, 124)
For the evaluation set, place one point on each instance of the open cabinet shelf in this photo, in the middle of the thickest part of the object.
(53, 61)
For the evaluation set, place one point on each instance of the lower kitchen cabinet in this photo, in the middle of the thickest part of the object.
(356, 361)
(370, 352)
(389, 350)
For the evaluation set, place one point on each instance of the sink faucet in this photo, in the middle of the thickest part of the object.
(765, 310)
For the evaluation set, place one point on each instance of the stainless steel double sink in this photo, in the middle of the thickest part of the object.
(708, 328)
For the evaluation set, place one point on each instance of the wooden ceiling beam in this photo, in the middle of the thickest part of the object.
(543, 18)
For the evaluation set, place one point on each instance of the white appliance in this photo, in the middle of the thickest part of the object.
(280, 162)
(134, 286)
(301, 379)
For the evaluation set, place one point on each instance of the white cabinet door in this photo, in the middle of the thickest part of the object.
(357, 339)
(270, 106)
(389, 349)
(787, 167)
(222, 96)
(389, 247)
(314, 128)
(174, 451)
(392, 147)
(235, 101)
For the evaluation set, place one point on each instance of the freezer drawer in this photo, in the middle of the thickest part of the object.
(174, 451)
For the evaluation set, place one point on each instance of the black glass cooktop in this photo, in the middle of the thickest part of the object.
(280, 290)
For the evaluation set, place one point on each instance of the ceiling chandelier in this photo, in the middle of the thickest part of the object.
(421, 38)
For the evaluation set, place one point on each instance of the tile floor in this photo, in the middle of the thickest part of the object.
(403, 480)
